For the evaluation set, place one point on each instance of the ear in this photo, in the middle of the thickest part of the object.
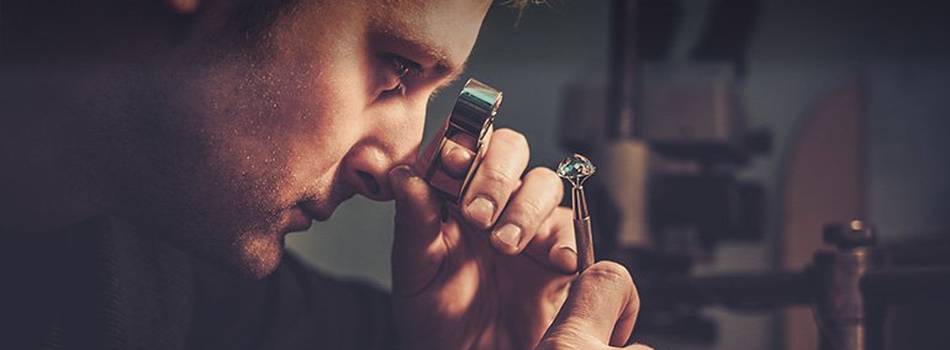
(185, 7)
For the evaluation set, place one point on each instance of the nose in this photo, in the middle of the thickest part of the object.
(390, 140)
(367, 169)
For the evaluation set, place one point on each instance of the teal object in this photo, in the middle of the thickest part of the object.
(576, 169)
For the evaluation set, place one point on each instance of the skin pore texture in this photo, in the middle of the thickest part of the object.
(226, 125)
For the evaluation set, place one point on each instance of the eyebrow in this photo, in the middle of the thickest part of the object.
(443, 68)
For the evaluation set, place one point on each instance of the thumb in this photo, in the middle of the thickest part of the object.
(417, 250)
(601, 308)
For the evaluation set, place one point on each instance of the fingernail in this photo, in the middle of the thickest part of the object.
(398, 177)
(509, 234)
(400, 173)
(566, 259)
(456, 162)
(481, 210)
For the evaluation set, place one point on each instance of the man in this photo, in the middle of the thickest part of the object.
(156, 146)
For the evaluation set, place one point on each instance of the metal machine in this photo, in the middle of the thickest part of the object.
(676, 139)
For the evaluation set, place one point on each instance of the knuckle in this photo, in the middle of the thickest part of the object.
(497, 177)
(545, 180)
(531, 209)
(557, 344)
(544, 174)
(610, 273)
(511, 138)
(565, 337)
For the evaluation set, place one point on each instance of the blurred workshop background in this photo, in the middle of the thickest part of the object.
(729, 134)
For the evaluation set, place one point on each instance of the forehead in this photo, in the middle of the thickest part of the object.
(446, 29)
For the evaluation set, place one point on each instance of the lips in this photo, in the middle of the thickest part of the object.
(315, 211)
(299, 220)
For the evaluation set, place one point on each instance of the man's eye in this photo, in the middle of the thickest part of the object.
(402, 70)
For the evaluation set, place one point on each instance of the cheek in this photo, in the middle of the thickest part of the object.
(318, 79)
(325, 126)
(296, 142)
(242, 124)
(282, 126)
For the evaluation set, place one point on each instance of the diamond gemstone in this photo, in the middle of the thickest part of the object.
(575, 167)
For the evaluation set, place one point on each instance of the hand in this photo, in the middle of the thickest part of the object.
(599, 312)
(492, 275)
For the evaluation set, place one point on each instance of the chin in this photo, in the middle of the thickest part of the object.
(260, 255)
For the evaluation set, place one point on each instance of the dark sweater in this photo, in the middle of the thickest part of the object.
(93, 287)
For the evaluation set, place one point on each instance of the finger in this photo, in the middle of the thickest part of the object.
(417, 252)
(424, 159)
(547, 344)
(455, 156)
(496, 178)
(554, 244)
(456, 160)
(540, 192)
(602, 303)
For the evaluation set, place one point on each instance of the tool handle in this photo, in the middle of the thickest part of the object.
(585, 244)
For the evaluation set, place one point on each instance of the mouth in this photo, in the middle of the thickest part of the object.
(300, 220)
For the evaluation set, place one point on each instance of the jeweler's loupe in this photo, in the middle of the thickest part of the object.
(464, 135)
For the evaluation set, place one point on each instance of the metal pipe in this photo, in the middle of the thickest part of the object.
(846, 321)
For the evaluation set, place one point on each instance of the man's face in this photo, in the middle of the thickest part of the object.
(232, 145)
